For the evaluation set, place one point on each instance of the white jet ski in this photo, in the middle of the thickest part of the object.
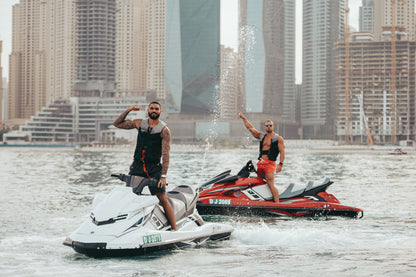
(126, 222)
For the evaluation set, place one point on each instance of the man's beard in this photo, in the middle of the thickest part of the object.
(269, 132)
(153, 115)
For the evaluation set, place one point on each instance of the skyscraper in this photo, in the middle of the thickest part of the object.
(274, 50)
(252, 54)
(5, 97)
(289, 89)
(173, 58)
(405, 16)
(27, 89)
(192, 65)
(95, 46)
(57, 42)
(60, 48)
(323, 22)
(228, 98)
(156, 35)
(42, 62)
(370, 98)
(131, 45)
(262, 55)
(367, 16)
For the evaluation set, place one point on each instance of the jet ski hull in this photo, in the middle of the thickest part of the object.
(277, 211)
(99, 250)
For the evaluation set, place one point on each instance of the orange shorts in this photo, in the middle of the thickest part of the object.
(265, 166)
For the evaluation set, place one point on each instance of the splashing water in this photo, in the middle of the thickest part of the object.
(212, 133)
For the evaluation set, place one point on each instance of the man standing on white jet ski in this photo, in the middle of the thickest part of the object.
(271, 145)
(153, 143)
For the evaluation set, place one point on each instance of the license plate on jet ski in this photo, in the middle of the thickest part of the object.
(220, 201)
(152, 239)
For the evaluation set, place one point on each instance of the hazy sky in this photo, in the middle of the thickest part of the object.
(229, 23)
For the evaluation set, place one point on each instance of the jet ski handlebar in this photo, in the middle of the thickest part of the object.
(245, 171)
(122, 177)
(137, 183)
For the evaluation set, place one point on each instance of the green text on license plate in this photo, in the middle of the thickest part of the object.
(220, 201)
(152, 238)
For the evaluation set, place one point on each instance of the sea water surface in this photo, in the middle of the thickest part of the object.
(45, 194)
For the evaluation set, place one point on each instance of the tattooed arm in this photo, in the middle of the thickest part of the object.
(121, 121)
(165, 154)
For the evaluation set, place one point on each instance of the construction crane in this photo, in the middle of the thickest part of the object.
(364, 118)
(393, 69)
(347, 73)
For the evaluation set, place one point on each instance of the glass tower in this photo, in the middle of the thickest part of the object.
(366, 20)
(262, 46)
(192, 66)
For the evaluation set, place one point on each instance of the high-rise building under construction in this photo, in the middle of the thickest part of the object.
(371, 98)
(95, 47)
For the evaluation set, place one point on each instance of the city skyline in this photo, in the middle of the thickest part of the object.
(189, 30)
(229, 32)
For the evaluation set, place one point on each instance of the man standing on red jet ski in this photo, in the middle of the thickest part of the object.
(271, 144)
(153, 143)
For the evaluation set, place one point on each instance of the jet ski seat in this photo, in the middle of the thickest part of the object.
(291, 191)
(190, 195)
(183, 200)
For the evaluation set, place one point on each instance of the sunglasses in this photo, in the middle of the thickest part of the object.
(268, 125)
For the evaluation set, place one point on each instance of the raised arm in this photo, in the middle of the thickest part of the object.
(165, 155)
(121, 121)
(250, 126)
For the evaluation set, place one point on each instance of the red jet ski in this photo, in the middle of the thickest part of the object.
(241, 194)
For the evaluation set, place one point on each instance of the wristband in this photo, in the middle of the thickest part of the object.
(163, 176)
(281, 163)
